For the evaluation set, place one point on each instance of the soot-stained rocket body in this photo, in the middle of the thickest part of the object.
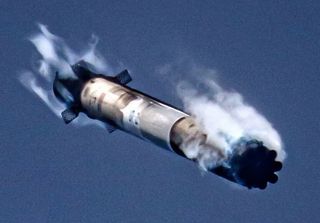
(109, 100)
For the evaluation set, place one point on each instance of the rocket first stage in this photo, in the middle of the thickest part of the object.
(109, 100)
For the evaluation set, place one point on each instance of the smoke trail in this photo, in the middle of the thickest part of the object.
(29, 80)
(227, 118)
(224, 115)
(57, 56)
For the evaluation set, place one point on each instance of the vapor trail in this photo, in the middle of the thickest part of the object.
(227, 118)
(57, 56)
(224, 116)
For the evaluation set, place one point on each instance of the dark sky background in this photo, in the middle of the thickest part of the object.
(267, 50)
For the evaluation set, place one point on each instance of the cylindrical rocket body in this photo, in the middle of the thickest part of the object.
(106, 99)
(130, 110)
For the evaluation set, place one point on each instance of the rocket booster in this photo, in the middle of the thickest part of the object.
(110, 100)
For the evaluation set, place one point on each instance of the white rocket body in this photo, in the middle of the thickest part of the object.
(130, 111)
(109, 100)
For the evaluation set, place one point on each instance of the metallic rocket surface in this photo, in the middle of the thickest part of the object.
(109, 100)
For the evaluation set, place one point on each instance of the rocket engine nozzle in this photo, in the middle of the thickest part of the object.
(251, 164)
(107, 98)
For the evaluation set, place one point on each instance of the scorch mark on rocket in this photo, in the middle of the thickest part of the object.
(239, 153)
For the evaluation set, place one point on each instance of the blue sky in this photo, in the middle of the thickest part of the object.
(267, 50)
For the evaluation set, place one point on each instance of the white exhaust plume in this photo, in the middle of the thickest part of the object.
(226, 118)
(57, 56)
(224, 115)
